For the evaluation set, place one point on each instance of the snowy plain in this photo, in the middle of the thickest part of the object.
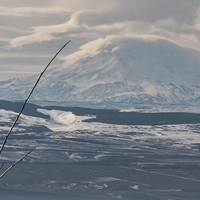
(109, 161)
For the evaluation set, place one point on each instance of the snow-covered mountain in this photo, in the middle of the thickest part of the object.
(146, 69)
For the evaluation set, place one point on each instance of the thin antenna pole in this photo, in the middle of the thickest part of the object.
(14, 123)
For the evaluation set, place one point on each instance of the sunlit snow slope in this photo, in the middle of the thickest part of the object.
(118, 70)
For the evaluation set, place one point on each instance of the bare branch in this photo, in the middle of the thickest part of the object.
(8, 134)
(9, 168)
(1, 166)
(14, 123)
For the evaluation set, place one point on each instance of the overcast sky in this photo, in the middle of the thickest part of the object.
(32, 31)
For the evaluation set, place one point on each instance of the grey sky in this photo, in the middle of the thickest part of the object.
(32, 31)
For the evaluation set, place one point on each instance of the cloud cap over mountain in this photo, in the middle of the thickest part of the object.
(31, 32)
(133, 59)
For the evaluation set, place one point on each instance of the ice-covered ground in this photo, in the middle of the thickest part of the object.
(113, 161)
(61, 121)
(68, 124)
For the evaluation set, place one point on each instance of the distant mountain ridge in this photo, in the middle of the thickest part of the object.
(121, 70)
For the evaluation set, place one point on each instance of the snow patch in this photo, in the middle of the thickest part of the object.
(62, 121)
(135, 187)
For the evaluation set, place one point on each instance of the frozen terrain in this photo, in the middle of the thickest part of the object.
(79, 155)
(141, 141)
